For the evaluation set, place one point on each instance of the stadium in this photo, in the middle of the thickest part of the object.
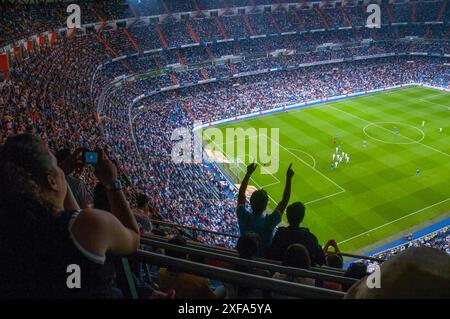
(225, 149)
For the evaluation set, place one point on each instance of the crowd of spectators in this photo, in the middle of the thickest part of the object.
(22, 20)
(439, 240)
(52, 96)
(59, 112)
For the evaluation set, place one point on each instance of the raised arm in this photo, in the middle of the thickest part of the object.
(250, 169)
(331, 243)
(287, 191)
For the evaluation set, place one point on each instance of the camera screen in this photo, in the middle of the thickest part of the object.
(90, 157)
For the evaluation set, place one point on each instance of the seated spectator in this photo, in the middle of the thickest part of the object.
(72, 164)
(43, 230)
(333, 260)
(294, 234)
(256, 221)
(355, 271)
(187, 286)
(247, 248)
(296, 256)
(418, 272)
(141, 213)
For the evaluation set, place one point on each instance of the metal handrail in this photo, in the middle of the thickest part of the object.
(225, 251)
(252, 263)
(379, 260)
(195, 229)
(240, 278)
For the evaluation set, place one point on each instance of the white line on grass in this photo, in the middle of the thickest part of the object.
(398, 143)
(393, 221)
(379, 126)
(251, 178)
(438, 104)
(306, 153)
(342, 190)
(313, 168)
(251, 160)
(425, 99)
(271, 184)
(325, 197)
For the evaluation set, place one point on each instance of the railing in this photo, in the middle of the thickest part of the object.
(230, 252)
(250, 262)
(239, 278)
(196, 230)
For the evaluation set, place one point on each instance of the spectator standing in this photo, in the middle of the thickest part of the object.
(256, 221)
(294, 234)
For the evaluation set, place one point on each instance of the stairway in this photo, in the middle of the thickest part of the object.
(180, 58)
(161, 36)
(389, 13)
(300, 21)
(249, 26)
(191, 32)
(274, 22)
(346, 18)
(130, 38)
(221, 28)
(322, 17)
(211, 55)
(441, 11)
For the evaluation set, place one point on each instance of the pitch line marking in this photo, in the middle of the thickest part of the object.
(325, 197)
(306, 153)
(251, 178)
(425, 99)
(393, 221)
(313, 168)
(310, 202)
(369, 122)
(412, 141)
(262, 167)
(271, 184)
(434, 103)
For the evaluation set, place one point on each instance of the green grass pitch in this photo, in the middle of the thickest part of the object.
(377, 194)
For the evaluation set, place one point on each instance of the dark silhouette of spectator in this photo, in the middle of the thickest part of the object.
(187, 286)
(355, 271)
(247, 248)
(296, 256)
(416, 273)
(256, 221)
(43, 231)
(294, 234)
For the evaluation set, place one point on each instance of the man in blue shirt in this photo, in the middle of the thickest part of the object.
(255, 221)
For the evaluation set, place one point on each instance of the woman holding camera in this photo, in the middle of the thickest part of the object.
(50, 248)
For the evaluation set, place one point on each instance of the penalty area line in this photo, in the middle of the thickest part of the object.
(325, 197)
(393, 221)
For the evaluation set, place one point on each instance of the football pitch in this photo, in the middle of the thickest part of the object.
(378, 193)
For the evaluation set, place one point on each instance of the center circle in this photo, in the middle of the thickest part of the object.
(380, 126)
